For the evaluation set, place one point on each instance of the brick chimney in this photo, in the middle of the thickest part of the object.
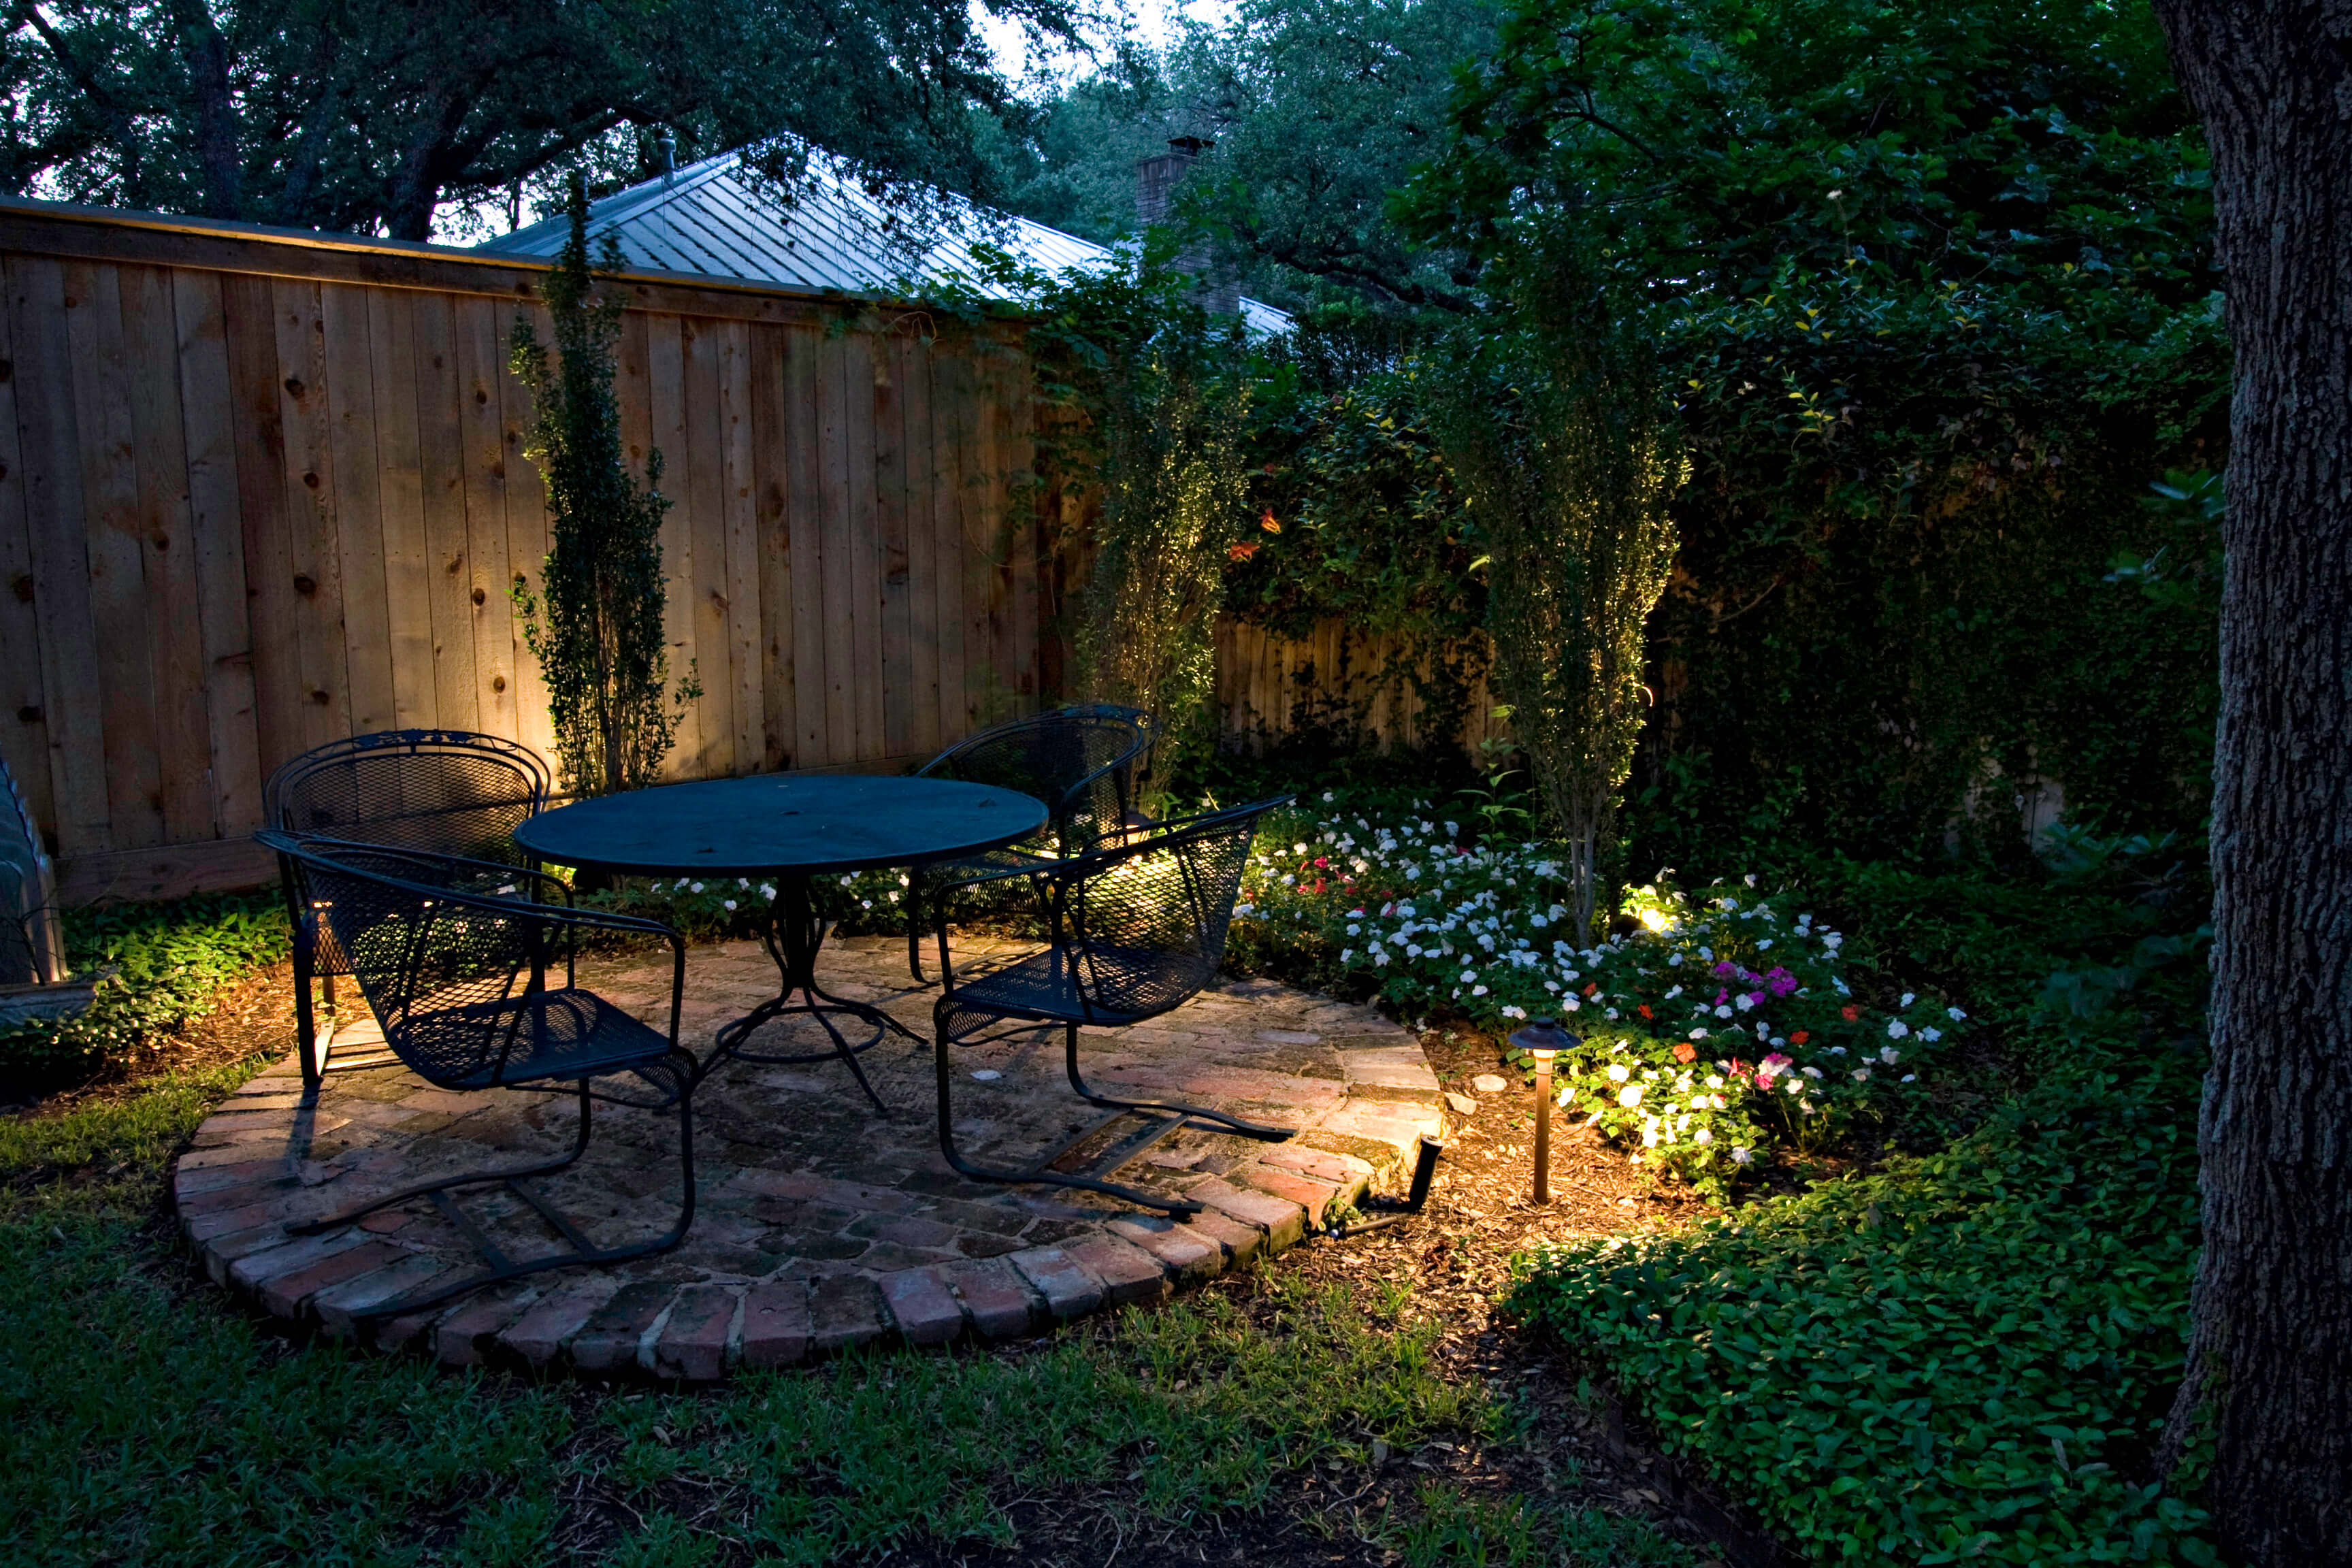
(1156, 180)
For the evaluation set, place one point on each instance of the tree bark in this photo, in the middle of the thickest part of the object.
(2273, 1303)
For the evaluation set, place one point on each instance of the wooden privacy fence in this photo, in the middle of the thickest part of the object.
(260, 490)
(1333, 679)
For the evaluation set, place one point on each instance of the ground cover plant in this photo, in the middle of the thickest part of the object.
(164, 964)
(1715, 1026)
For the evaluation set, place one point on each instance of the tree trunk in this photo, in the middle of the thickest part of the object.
(2273, 1304)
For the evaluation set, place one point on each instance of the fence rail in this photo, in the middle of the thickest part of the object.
(258, 491)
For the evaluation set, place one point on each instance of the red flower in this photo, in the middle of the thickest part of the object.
(1645, 1011)
(1685, 1052)
(1242, 551)
(1592, 989)
(1801, 1036)
(1851, 1011)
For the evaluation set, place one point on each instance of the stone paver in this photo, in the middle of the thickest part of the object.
(820, 1225)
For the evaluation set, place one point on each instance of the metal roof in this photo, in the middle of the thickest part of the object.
(834, 237)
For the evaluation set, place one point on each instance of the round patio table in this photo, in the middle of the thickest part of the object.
(787, 829)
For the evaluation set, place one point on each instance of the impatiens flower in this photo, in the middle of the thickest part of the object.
(1888, 1054)
(1955, 1013)
(1619, 1072)
(1645, 1010)
(1685, 1052)
(1801, 1036)
(1850, 1012)
(1699, 1034)
(1861, 1075)
(1896, 1028)
(1630, 1095)
(1702, 1136)
(1740, 1156)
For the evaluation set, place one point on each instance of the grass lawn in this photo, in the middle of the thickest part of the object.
(1291, 1414)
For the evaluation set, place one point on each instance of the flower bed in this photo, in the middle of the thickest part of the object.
(1715, 1025)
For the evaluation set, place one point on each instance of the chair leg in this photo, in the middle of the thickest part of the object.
(306, 1020)
(962, 1167)
(1233, 1124)
(502, 1269)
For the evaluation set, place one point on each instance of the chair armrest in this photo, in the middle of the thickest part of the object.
(497, 868)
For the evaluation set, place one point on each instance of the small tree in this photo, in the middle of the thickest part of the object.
(600, 643)
(1566, 457)
(1174, 496)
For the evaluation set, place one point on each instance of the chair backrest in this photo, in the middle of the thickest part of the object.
(1074, 759)
(447, 790)
(1146, 923)
(447, 953)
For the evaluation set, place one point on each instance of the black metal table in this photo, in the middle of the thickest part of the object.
(789, 829)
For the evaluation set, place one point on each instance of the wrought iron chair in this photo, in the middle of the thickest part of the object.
(453, 792)
(1078, 759)
(471, 977)
(1137, 930)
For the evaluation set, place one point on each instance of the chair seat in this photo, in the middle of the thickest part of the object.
(565, 1034)
(1044, 986)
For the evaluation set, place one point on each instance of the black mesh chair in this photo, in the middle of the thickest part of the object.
(471, 977)
(1078, 759)
(452, 791)
(1137, 930)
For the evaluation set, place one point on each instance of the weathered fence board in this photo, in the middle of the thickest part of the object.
(262, 490)
(1270, 685)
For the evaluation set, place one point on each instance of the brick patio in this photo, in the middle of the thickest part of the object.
(822, 1226)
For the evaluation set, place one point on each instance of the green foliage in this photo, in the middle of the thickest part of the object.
(1972, 1353)
(1713, 1028)
(1143, 449)
(395, 119)
(600, 644)
(1565, 457)
(169, 963)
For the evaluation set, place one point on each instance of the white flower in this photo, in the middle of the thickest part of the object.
(1763, 1030)
(1649, 1137)
(1931, 1033)
(1630, 1095)
(1840, 986)
(1764, 945)
(731, 903)
(1552, 986)
(1609, 1014)
(1619, 1072)
(1707, 954)
(1715, 1081)
(1723, 1011)
(1346, 953)
(1699, 1034)
(1740, 1156)
(1238, 909)
(1896, 1028)
(1298, 850)
(1835, 1051)
(1675, 993)
(1702, 1136)
(1789, 1084)
(1515, 1012)
(1742, 1002)
(697, 887)
(1831, 939)
(1861, 1075)
(1477, 991)
(1956, 1014)
(1571, 1004)
(1812, 1072)
(1674, 958)
(767, 890)
(1910, 1077)
(1468, 975)
(1910, 997)
(1888, 1054)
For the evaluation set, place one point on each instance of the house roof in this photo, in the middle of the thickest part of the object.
(834, 237)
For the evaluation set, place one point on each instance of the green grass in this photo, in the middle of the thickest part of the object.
(143, 1420)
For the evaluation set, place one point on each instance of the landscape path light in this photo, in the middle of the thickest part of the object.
(1543, 1040)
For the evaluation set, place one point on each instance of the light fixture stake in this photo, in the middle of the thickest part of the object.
(1543, 1040)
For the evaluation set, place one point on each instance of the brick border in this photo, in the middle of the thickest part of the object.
(239, 1187)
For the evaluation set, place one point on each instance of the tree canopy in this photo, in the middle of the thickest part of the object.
(377, 118)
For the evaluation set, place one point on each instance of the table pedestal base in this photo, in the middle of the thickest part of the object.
(794, 937)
